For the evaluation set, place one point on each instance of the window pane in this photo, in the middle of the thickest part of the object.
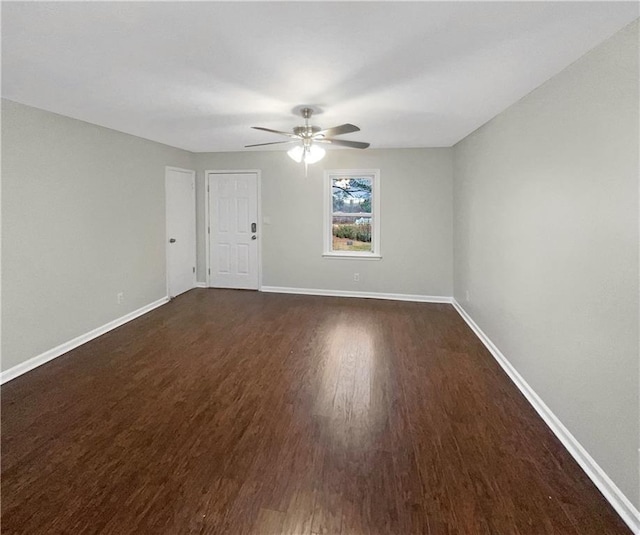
(352, 195)
(352, 232)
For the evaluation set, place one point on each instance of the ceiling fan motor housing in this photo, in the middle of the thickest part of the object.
(306, 130)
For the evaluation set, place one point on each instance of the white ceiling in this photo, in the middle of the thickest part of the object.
(198, 75)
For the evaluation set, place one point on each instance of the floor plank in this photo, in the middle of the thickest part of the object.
(239, 412)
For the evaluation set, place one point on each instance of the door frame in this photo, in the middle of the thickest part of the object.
(166, 224)
(207, 225)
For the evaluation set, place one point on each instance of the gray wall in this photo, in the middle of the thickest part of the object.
(82, 218)
(546, 244)
(416, 216)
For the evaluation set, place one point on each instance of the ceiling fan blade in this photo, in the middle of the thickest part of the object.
(337, 130)
(272, 143)
(344, 143)
(288, 134)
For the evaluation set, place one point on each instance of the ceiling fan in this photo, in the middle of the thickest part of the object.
(307, 138)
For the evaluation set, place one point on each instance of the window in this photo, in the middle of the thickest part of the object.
(352, 214)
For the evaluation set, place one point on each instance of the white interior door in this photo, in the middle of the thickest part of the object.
(233, 230)
(181, 230)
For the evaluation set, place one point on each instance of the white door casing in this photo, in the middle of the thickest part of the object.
(180, 241)
(233, 230)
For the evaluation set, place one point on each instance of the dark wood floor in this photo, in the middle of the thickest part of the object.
(231, 412)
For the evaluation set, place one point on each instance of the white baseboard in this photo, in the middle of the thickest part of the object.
(607, 487)
(201, 285)
(362, 295)
(51, 354)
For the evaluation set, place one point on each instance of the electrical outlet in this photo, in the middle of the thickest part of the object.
(120, 297)
(356, 277)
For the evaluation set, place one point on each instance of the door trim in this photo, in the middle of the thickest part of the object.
(168, 168)
(207, 181)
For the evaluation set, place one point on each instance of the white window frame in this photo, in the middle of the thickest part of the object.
(374, 174)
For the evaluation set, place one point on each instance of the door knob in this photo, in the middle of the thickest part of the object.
(254, 237)
(172, 240)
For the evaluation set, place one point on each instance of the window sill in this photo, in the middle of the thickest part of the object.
(352, 256)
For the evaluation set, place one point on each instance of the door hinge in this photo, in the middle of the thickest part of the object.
(194, 269)
(207, 188)
(209, 271)
(208, 230)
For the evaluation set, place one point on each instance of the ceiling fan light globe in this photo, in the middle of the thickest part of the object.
(296, 153)
(314, 154)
